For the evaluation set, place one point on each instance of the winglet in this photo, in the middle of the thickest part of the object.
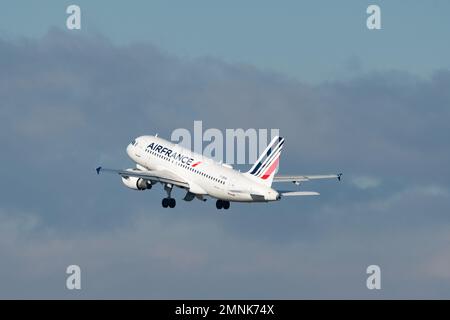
(98, 170)
(339, 175)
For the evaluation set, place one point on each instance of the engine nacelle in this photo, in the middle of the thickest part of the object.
(136, 183)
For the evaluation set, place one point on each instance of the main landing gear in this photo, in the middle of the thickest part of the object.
(222, 204)
(168, 202)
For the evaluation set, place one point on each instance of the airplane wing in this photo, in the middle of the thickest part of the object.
(298, 179)
(163, 176)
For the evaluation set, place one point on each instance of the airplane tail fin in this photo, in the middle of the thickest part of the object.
(267, 164)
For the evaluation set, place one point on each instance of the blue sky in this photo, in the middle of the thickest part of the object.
(371, 104)
(309, 40)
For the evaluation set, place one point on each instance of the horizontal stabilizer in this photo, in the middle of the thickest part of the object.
(299, 193)
(298, 179)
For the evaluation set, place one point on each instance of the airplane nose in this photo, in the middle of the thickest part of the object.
(129, 149)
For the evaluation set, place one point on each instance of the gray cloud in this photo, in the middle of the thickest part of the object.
(366, 182)
(71, 102)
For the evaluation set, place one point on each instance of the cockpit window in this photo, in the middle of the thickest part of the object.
(134, 143)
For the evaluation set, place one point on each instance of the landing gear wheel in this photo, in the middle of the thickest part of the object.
(165, 202)
(219, 204)
(172, 203)
(226, 205)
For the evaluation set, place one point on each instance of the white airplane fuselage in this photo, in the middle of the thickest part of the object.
(204, 175)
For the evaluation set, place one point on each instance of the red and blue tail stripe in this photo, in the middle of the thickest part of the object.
(268, 162)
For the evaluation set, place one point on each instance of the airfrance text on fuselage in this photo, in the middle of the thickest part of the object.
(170, 154)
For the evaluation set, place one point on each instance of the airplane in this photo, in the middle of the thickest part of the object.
(158, 160)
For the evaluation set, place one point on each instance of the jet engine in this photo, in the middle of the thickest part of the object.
(136, 183)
